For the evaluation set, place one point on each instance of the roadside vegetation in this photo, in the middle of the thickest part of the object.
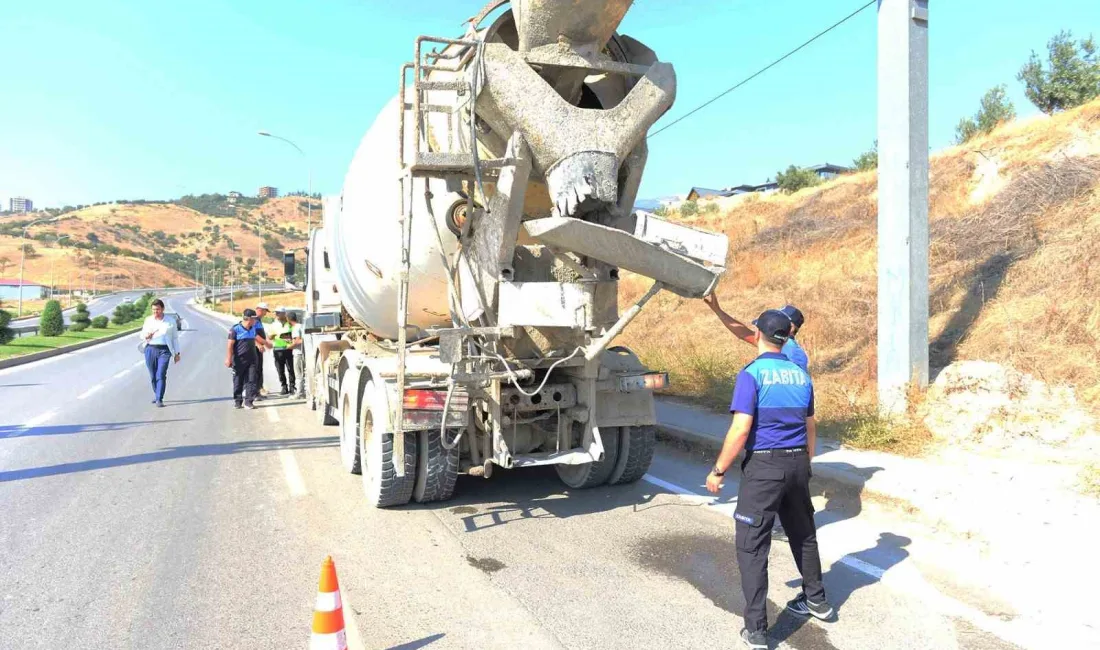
(86, 329)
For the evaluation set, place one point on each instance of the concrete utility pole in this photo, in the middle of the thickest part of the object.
(902, 200)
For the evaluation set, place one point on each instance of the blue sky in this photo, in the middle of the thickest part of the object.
(119, 99)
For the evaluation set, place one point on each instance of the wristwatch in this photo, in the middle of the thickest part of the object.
(716, 472)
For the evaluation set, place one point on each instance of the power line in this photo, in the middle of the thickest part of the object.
(761, 70)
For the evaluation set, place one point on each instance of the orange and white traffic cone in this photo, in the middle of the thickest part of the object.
(328, 613)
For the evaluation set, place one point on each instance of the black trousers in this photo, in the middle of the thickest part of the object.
(776, 483)
(284, 365)
(259, 371)
(244, 379)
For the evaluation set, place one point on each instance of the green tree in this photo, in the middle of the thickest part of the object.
(996, 109)
(689, 209)
(1070, 78)
(867, 160)
(81, 317)
(30, 251)
(6, 335)
(52, 323)
(795, 179)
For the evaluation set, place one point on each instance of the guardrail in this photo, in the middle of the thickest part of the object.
(25, 329)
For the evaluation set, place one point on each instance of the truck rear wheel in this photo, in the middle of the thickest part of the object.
(381, 483)
(636, 447)
(589, 475)
(349, 432)
(437, 468)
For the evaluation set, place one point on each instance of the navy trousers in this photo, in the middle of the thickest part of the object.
(157, 358)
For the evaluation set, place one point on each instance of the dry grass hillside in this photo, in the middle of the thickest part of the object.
(156, 243)
(1015, 270)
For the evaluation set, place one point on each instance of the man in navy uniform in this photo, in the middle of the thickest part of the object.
(242, 356)
(773, 421)
(791, 349)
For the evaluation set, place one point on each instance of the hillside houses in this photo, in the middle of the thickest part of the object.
(824, 171)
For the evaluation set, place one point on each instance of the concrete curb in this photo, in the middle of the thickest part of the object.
(709, 444)
(48, 354)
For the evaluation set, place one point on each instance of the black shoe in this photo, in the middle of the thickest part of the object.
(285, 392)
(250, 406)
(803, 606)
(238, 405)
(154, 401)
(754, 640)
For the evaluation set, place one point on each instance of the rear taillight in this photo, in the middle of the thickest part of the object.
(648, 381)
(424, 400)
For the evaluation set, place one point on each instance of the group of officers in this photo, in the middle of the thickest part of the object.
(247, 343)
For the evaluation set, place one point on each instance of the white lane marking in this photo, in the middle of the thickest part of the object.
(138, 364)
(37, 420)
(272, 415)
(903, 576)
(122, 373)
(290, 471)
(91, 391)
(355, 642)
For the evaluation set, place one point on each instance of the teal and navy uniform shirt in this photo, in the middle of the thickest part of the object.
(244, 346)
(779, 396)
(793, 351)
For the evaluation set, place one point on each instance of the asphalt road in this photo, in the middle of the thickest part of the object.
(200, 526)
(96, 307)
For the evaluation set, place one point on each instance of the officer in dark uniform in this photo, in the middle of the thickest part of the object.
(243, 357)
(773, 420)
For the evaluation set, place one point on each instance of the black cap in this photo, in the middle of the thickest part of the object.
(774, 325)
(249, 313)
(794, 314)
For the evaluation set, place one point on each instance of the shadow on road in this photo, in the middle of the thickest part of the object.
(843, 579)
(537, 493)
(182, 402)
(170, 453)
(21, 431)
(422, 643)
(18, 385)
(843, 501)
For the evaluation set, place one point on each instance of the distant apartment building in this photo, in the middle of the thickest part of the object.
(231, 199)
(20, 204)
(268, 192)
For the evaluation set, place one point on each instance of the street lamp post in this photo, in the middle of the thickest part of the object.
(52, 260)
(309, 171)
(23, 259)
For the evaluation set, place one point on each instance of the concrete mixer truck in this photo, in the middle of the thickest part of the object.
(463, 293)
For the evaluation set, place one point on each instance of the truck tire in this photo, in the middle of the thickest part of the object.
(590, 475)
(436, 468)
(636, 447)
(382, 485)
(349, 432)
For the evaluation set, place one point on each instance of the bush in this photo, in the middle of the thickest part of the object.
(6, 335)
(52, 322)
(81, 317)
(995, 110)
(123, 314)
(689, 209)
(99, 322)
(78, 327)
(1071, 78)
(795, 179)
(867, 160)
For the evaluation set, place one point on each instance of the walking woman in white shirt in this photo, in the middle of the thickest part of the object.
(162, 345)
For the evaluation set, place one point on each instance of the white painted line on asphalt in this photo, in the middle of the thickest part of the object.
(904, 577)
(139, 364)
(37, 420)
(91, 391)
(290, 471)
(272, 415)
(121, 374)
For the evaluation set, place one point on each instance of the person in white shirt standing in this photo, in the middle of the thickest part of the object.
(161, 346)
(299, 354)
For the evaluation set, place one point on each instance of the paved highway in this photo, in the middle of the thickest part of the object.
(99, 306)
(201, 526)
